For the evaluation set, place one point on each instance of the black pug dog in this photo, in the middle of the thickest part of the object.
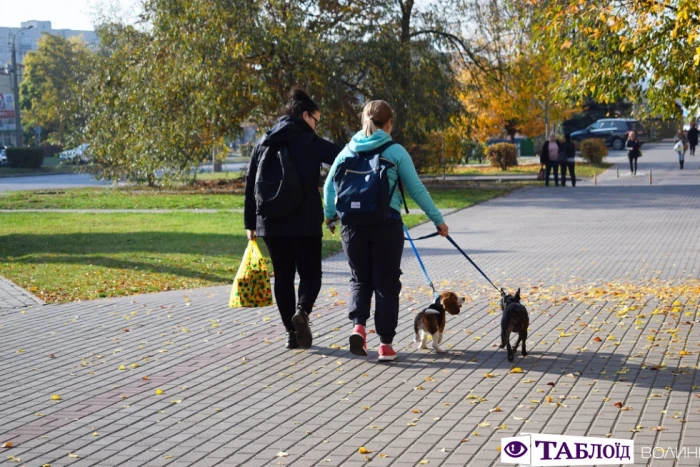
(514, 319)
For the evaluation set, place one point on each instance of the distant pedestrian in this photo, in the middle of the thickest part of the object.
(633, 151)
(678, 149)
(568, 160)
(549, 156)
(293, 238)
(681, 136)
(692, 137)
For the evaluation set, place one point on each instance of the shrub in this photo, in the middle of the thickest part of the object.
(247, 149)
(594, 150)
(30, 158)
(502, 155)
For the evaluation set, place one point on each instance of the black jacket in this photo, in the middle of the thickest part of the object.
(693, 136)
(544, 153)
(307, 151)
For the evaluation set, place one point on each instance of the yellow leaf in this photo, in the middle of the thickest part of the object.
(363, 450)
(55, 397)
(483, 424)
(516, 370)
(159, 392)
(95, 434)
(424, 461)
(366, 407)
(73, 455)
(121, 367)
(134, 365)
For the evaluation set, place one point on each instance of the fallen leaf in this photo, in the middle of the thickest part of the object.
(363, 450)
(416, 411)
(483, 424)
(658, 428)
(424, 461)
(516, 370)
(145, 378)
(95, 434)
(7, 444)
(55, 397)
(282, 454)
(495, 409)
(618, 404)
(73, 455)
(159, 392)
(597, 339)
(383, 455)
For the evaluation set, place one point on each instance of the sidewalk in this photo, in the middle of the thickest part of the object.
(609, 275)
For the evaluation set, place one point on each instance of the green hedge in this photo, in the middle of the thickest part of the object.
(29, 158)
(594, 150)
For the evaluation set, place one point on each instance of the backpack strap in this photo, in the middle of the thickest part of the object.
(380, 150)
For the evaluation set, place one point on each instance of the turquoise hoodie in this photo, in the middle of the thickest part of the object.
(406, 170)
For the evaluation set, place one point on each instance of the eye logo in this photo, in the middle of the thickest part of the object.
(515, 449)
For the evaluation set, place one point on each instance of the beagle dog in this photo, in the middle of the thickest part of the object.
(432, 320)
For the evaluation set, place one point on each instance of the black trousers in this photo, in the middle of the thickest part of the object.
(633, 164)
(374, 253)
(551, 166)
(291, 255)
(572, 172)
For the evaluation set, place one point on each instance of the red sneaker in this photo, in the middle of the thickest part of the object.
(358, 341)
(386, 353)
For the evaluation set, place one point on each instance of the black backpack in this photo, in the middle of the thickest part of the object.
(363, 194)
(278, 191)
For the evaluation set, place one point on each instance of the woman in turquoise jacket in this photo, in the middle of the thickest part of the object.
(374, 251)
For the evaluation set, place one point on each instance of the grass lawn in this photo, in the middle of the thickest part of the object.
(221, 175)
(52, 165)
(142, 198)
(69, 256)
(582, 170)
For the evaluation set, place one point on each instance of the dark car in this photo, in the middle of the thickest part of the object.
(613, 130)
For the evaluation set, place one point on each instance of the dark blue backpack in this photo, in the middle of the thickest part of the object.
(363, 194)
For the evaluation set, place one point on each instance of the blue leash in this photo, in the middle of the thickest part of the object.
(435, 234)
(420, 261)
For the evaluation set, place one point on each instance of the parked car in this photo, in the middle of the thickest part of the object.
(613, 130)
(76, 155)
(3, 157)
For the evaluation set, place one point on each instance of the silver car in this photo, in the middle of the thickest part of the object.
(3, 157)
(75, 155)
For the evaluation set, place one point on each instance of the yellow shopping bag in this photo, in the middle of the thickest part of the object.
(251, 287)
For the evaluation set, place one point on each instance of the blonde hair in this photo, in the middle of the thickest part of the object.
(375, 115)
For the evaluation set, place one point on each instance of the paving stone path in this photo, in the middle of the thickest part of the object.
(609, 274)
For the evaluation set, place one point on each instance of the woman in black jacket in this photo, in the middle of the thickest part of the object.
(549, 156)
(294, 239)
(633, 151)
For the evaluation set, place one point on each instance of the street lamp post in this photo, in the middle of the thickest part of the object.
(15, 81)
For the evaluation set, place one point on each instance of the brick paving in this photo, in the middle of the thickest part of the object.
(618, 261)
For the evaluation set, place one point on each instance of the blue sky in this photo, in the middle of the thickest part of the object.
(63, 14)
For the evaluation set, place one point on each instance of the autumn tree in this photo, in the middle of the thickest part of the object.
(641, 51)
(53, 77)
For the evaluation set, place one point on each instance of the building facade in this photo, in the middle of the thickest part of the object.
(25, 42)
(28, 40)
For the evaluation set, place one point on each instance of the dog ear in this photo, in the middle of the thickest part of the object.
(450, 302)
(517, 295)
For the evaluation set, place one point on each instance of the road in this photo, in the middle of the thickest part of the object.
(49, 182)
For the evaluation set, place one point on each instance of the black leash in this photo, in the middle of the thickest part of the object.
(473, 263)
(435, 234)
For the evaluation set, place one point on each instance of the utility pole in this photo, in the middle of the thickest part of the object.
(15, 82)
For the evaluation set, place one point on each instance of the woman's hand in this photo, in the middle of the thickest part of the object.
(251, 234)
(331, 224)
(443, 230)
